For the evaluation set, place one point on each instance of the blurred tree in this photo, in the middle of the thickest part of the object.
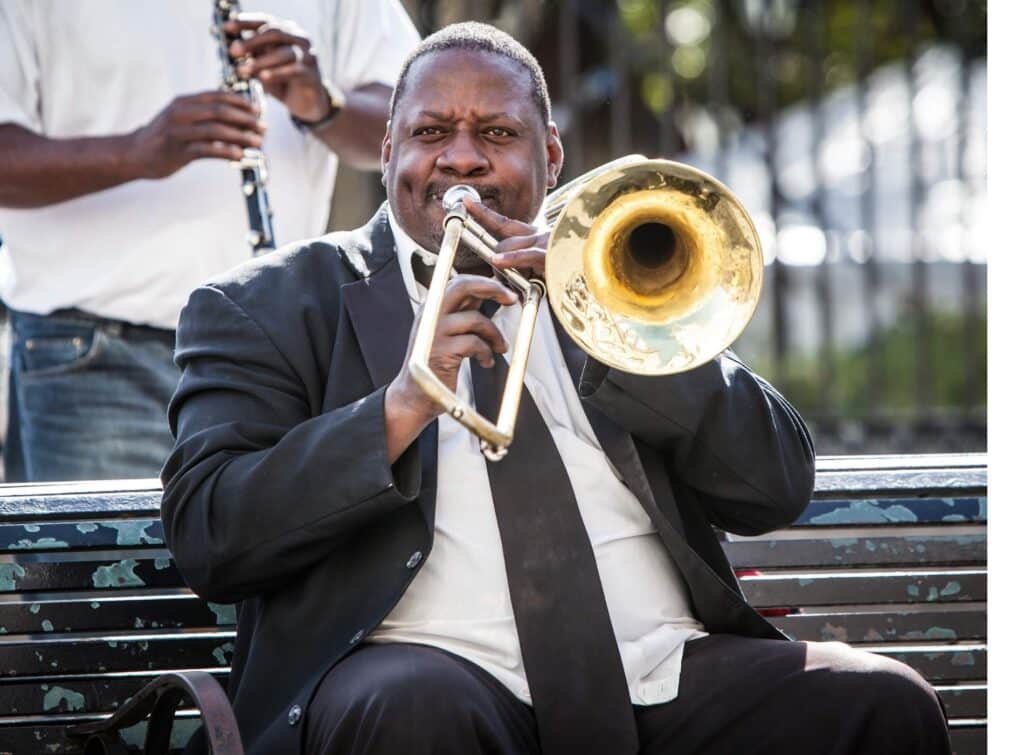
(682, 52)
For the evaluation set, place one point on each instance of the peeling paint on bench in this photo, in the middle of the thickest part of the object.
(121, 574)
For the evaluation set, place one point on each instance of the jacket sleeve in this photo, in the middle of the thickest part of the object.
(725, 433)
(256, 488)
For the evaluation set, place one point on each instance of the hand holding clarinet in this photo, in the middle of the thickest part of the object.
(258, 53)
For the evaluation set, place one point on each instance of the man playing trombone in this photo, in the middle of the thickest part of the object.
(401, 594)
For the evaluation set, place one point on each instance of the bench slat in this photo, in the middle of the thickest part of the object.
(810, 589)
(969, 740)
(966, 701)
(95, 499)
(49, 738)
(104, 574)
(126, 653)
(948, 550)
(868, 511)
(85, 694)
(91, 694)
(921, 475)
(891, 626)
(106, 613)
(108, 533)
(955, 663)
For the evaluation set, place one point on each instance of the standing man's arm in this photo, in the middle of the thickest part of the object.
(39, 170)
(355, 132)
(346, 100)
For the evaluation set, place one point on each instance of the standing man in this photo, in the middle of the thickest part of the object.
(401, 595)
(118, 195)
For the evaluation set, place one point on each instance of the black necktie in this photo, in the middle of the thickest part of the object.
(572, 662)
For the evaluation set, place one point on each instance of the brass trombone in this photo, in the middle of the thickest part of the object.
(653, 267)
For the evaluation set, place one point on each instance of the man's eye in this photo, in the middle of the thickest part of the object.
(500, 131)
(426, 131)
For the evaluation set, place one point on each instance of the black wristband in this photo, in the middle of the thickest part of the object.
(335, 103)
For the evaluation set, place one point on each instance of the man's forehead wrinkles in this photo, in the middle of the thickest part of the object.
(502, 115)
(438, 115)
(483, 117)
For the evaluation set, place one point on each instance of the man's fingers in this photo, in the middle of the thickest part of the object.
(216, 100)
(226, 114)
(275, 58)
(218, 132)
(497, 224)
(247, 21)
(538, 239)
(269, 39)
(210, 118)
(473, 346)
(529, 262)
(283, 73)
(466, 291)
(523, 258)
(459, 323)
(197, 150)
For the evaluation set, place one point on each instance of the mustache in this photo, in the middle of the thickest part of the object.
(436, 190)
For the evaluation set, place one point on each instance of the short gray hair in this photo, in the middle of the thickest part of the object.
(472, 35)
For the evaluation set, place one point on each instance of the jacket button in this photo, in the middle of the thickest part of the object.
(356, 638)
(414, 560)
(294, 714)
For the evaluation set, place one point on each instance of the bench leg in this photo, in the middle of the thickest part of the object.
(157, 701)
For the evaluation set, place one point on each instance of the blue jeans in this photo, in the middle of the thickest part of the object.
(88, 398)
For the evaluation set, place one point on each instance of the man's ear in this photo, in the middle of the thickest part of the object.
(385, 150)
(556, 155)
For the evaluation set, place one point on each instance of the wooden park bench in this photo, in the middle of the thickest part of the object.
(890, 556)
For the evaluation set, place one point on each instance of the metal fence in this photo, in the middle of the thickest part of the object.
(854, 132)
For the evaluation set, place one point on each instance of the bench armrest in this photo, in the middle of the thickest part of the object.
(158, 700)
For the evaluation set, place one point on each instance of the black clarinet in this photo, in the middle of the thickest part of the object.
(253, 163)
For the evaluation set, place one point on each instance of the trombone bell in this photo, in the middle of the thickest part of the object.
(653, 267)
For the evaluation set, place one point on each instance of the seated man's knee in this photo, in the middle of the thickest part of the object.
(894, 703)
(905, 693)
(400, 698)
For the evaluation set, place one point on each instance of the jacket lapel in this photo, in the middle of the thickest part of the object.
(377, 302)
(382, 318)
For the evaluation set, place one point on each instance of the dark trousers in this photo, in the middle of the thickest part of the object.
(736, 695)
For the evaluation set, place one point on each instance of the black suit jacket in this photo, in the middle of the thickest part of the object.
(279, 495)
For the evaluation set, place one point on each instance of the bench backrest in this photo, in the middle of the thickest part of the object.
(91, 609)
(890, 556)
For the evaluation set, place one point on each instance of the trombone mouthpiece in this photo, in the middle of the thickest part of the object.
(456, 194)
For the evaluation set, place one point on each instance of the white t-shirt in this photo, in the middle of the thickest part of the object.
(104, 67)
(459, 601)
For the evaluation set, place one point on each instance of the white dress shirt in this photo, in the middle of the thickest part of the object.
(459, 601)
(134, 252)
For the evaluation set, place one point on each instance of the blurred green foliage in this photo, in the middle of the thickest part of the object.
(956, 362)
(808, 46)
